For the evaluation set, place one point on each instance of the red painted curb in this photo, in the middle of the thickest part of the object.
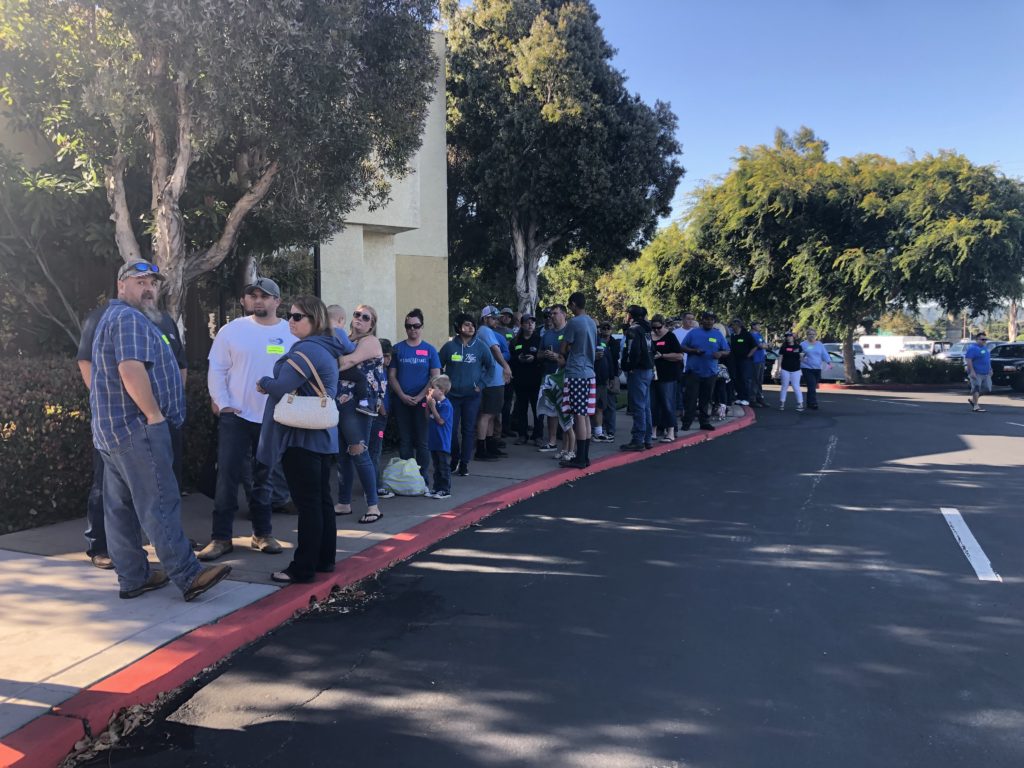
(39, 745)
(893, 387)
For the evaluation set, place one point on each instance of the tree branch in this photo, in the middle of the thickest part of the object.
(215, 254)
(183, 159)
(160, 168)
(124, 235)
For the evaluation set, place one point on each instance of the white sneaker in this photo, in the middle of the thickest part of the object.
(782, 406)
(800, 408)
(547, 448)
(742, 402)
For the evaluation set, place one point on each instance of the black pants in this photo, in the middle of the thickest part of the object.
(812, 378)
(442, 471)
(526, 400)
(698, 392)
(412, 434)
(506, 408)
(309, 480)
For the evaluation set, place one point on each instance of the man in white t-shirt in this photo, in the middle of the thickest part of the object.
(243, 352)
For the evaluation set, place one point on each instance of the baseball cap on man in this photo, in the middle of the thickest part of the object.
(506, 311)
(138, 268)
(489, 311)
(266, 285)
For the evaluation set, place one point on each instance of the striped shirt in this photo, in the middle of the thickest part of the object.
(124, 333)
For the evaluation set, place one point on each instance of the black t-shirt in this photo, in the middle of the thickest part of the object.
(521, 348)
(741, 345)
(166, 325)
(668, 344)
(789, 357)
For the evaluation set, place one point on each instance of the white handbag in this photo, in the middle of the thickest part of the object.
(317, 411)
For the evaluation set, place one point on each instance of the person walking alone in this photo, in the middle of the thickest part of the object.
(790, 357)
(814, 360)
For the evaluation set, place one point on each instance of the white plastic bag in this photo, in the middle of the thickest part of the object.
(403, 477)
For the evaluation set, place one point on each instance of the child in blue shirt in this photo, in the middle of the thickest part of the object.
(439, 436)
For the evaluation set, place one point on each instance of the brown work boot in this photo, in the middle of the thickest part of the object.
(266, 544)
(206, 578)
(216, 548)
(156, 580)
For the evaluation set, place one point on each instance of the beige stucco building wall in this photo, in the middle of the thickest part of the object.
(396, 257)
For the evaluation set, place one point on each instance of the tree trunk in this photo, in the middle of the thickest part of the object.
(849, 358)
(527, 252)
(1011, 326)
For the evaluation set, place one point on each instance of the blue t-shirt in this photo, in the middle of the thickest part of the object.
(760, 356)
(551, 339)
(439, 436)
(981, 358)
(413, 364)
(123, 333)
(493, 377)
(710, 342)
(503, 343)
(815, 355)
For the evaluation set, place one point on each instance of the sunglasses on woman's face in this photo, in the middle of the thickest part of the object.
(362, 316)
(657, 327)
(413, 326)
(297, 316)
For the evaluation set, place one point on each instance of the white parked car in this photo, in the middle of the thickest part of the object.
(861, 361)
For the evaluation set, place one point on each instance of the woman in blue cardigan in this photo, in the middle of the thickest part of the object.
(307, 455)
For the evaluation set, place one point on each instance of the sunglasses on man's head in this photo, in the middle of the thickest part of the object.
(142, 267)
(362, 316)
(412, 326)
(297, 316)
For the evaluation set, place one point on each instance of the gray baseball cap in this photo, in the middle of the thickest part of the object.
(266, 285)
(489, 311)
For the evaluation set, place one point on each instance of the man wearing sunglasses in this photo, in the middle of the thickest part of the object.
(136, 394)
(414, 364)
(243, 352)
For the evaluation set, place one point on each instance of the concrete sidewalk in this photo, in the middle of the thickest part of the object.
(75, 654)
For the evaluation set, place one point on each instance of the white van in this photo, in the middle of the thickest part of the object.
(896, 347)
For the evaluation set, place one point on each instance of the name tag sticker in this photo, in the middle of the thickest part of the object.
(166, 340)
(456, 358)
(422, 352)
(519, 346)
(275, 349)
(660, 344)
(561, 336)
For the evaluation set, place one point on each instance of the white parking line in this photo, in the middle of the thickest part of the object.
(971, 548)
(899, 402)
(1014, 423)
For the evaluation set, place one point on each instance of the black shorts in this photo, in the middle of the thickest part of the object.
(492, 399)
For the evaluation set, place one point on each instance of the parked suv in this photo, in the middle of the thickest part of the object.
(1008, 366)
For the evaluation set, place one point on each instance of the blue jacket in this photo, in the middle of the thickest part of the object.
(466, 365)
(275, 438)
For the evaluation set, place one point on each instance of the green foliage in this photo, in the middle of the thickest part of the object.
(571, 273)
(45, 442)
(916, 370)
(218, 107)
(548, 151)
(903, 324)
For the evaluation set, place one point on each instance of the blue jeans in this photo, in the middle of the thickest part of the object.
(610, 405)
(412, 434)
(812, 377)
(377, 428)
(236, 444)
(95, 533)
(638, 396)
(140, 494)
(464, 411)
(354, 429)
(663, 407)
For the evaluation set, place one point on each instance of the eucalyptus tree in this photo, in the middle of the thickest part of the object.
(300, 109)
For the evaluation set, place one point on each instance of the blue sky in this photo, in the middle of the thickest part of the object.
(866, 76)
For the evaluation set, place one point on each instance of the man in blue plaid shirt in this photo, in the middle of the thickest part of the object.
(136, 391)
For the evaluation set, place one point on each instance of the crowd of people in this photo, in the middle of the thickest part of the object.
(553, 381)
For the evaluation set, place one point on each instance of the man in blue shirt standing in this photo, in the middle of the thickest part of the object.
(414, 364)
(704, 347)
(760, 355)
(136, 391)
(979, 370)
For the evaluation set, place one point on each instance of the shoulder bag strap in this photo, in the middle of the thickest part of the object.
(318, 387)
